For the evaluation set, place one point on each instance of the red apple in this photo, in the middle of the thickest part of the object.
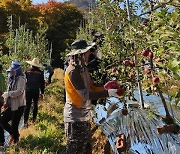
(124, 112)
(113, 70)
(155, 80)
(150, 55)
(131, 75)
(145, 52)
(147, 71)
(132, 63)
(158, 60)
(145, 21)
(120, 92)
(126, 62)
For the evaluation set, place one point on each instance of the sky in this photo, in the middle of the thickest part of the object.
(43, 1)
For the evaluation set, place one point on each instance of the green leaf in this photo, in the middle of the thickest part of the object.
(175, 16)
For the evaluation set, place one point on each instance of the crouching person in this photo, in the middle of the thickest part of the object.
(15, 101)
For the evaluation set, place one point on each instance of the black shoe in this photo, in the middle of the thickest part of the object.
(16, 140)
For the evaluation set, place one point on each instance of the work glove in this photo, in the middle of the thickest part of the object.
(111, 85)
(113, 92)
(5, 95)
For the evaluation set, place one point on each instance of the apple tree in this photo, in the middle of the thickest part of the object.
(145, 50)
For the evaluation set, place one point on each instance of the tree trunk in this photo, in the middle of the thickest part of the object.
(168, 119)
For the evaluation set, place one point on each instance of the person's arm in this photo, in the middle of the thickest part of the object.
(21, 83)
(95, 88)
(42, 83)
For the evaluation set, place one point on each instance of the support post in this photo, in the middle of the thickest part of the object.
(139, 86)
(128, 10)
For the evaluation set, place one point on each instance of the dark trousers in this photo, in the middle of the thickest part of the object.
(15, 117)
(2, 140)
(32, 96)
(78, 136)
(50, 76)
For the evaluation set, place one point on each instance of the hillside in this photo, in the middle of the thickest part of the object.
(82, 4)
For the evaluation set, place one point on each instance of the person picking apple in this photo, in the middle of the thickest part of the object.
(80, 91)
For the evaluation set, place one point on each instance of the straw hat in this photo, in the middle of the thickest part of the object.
(80, 47)
(34, 62)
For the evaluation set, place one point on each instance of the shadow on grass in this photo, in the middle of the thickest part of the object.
(48, 144)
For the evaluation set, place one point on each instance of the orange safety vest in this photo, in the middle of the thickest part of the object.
(72, 93)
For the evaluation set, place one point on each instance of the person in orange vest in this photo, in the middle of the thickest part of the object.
(79, 93)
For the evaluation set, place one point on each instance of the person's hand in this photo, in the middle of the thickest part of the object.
(111, 85)
(42, 96)
(4, 106)
(5, 95)
(113, 92)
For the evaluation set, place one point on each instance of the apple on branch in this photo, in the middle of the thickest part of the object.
(158, 60)
(150, 55)
(147, 71)
(155, 80)
(145, 52)
(124, 112)
(132, 63)
(113, 70)
(126, 62)
(131, 75)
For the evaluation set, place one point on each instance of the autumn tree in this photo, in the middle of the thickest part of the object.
(62, 21)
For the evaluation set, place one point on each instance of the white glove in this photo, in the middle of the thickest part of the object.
(5, 95)
(113, 92)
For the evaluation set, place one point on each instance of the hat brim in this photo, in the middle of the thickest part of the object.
(81, 51)
(33, 64)
(10, 69)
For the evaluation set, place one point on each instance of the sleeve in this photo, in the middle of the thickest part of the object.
(78, 83)
(95, 88)
(2, 83)
(21, 83)
(42, 84)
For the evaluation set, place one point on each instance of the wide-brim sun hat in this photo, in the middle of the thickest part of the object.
(80, 47)
(34, 62)
(15, 65)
